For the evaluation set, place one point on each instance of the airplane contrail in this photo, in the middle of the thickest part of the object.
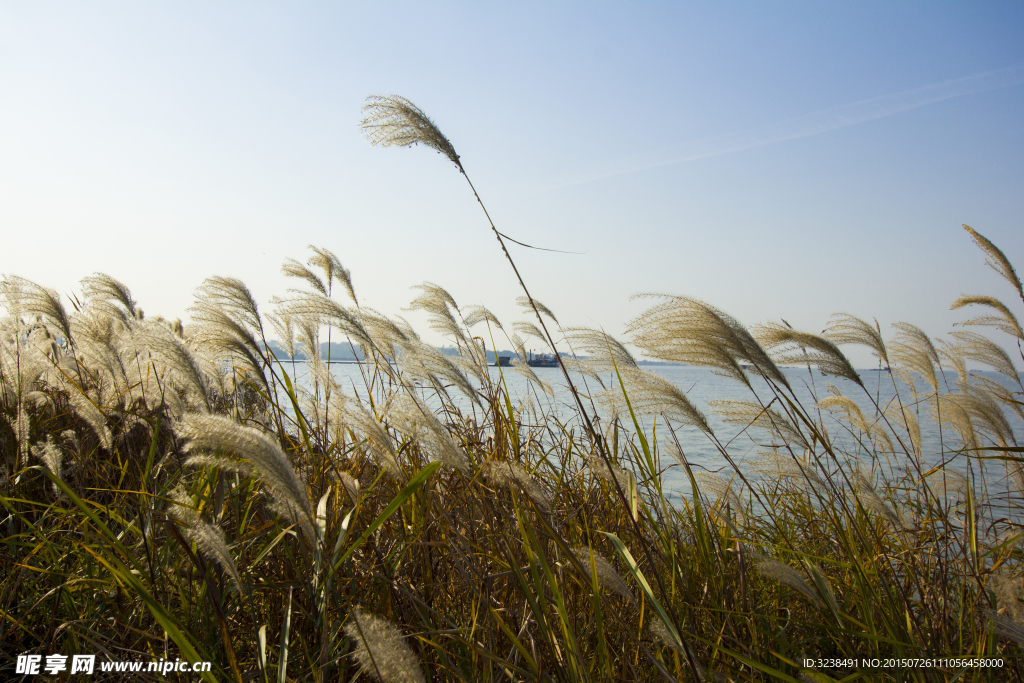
(826, 120)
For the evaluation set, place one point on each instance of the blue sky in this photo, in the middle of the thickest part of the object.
(777, 160)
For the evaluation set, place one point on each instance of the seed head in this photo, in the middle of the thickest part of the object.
(395, 121)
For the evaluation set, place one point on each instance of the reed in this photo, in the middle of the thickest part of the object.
(173, 491)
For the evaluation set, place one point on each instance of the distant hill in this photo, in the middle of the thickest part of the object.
(338, 351)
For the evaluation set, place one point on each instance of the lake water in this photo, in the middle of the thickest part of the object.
(703, 385)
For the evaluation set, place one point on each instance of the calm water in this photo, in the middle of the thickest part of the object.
(703, 385)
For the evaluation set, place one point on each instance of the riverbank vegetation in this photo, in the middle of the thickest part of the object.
(170, 491)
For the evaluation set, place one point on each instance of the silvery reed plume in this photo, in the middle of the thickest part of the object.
(381, 649)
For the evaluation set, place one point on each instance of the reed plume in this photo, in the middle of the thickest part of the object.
(725, 491)
(752, 414)
(652, 394)
(855, 417)
(953, 357)
(529, 329)
(423, 426)
(1000, 394)
(26, 299)
(1005, 626)
(783, 466)
(1006, 321)
(660, 632)
(899, 414)
(351, 485)
(381, 444)
(865, 493)
(613, 474)
(423, 362)
(685, 330)
(476, 314)
(947, 480)
(973, 411)
(315, 309)
(86, 408)
(1009, 591)
(231, 296)
(110, 296)
(607, 353)
(530, 304)
(771, 568)
(609, 579)
(292, 268)
(393, 121)
(844, 328)
(996, 260)
(249, 452)
(333, 270)
(386, 334)
(913, 351)
(975, 347)
(227, 322)
(52, 457)
(956, 415)
(787, 346)
(381, 650)
(156, 343)
(513, 476)
(209, 539)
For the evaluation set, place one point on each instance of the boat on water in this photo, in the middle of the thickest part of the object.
(542, 360)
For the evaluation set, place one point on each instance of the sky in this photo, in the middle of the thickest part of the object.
(777, 160)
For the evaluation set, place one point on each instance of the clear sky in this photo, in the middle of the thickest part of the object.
(774, 159)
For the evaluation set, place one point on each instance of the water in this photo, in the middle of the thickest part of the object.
(703, 385)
